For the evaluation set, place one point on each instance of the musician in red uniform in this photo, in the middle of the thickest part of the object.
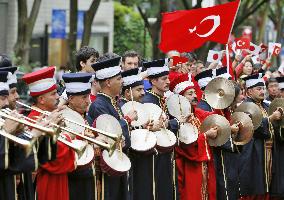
(196, 174)
(52, 179)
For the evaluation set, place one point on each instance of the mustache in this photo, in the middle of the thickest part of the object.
(5, 107)
(195, 99)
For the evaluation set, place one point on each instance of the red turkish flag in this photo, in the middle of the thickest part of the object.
(276, 50)
(263, 47)
(179, 60)
(242, 43)
(187, 30)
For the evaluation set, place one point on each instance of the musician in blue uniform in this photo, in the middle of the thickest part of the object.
(277, 183)
(255, 164)
(165, 182)
(108, 74)
(81, 182)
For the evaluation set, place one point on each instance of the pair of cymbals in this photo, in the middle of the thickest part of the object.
(224, 129)
(220, 93)
(178, 105)
(277, 104)
(246, 128)
(253, 111)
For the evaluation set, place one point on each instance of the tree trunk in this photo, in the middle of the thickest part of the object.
(279, 27)
(88, 20)
(72, 36)
(25, 30)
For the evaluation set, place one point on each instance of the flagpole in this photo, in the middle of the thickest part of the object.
(227, 46)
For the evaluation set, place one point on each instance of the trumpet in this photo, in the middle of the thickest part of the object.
(27, 145)
(25, 122)
(110, 135)
(109, 147)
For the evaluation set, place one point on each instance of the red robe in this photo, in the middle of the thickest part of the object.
(52, 178)
(191, 160)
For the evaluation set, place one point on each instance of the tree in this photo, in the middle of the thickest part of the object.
(72, 36)
(88, 20)
(129, 31)
(25, 29)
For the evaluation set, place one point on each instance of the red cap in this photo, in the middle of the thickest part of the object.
(181, 83)
(41, 81)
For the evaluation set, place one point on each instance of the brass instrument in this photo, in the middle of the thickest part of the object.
(110, 135)
(25, 122)
(220, 93)
(109, 147)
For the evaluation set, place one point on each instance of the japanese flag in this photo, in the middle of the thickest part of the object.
(274, 49)
(254, 49)
(255, 59)
(214, 56)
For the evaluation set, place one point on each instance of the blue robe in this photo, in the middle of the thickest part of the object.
(116, 188)
(252, 161)
(164, 179)
(19, 164)
(226, 162)
(277, 185)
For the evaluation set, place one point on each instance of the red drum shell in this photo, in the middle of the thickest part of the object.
(110, 170)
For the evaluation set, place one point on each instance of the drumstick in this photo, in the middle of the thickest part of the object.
(164, 125)
(120, 150)
(131, 96)
(148, 128)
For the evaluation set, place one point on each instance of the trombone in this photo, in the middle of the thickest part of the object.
(110, 135)
(109, 147)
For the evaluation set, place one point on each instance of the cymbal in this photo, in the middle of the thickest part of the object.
(275, 104)
(138, 107)
(178, 105)
(224, 129)
(245, 128)
(253, 111)
(220, 93)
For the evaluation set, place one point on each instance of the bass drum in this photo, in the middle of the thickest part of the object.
(188, 133)
(166, 140)
(143, 140)
(116, 165)
(73, 115)
(87, 156)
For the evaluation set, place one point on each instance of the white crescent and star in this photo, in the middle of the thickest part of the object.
(216, 20)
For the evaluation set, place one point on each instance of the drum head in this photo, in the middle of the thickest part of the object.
(165, 138)
(118, 162)
(178, 105)
(142, 115)
(143, 140)
(188, 133)
(88, 154)
(73, 115)
(109, 124)
(153, 111)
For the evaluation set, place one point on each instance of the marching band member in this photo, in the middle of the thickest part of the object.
(132, 85)
(158, 74)
(256, 158)
(196, 173)
(277, 189)
(81, 181)
(52, 175)
(108, 74)
(225, 156)
(141, 163)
